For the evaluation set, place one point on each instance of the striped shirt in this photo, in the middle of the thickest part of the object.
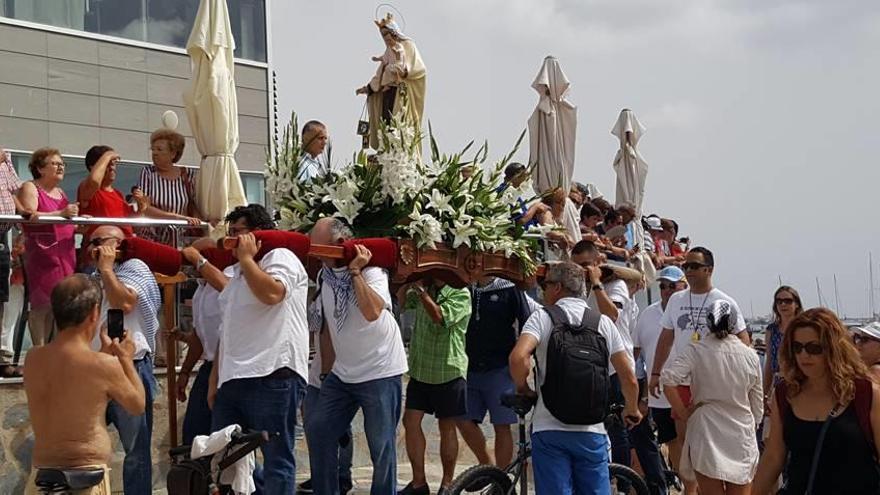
(9, 185)
(173, 196)
(135, 275)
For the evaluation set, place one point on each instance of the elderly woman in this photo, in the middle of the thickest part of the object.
(169, 188)
(49, 249)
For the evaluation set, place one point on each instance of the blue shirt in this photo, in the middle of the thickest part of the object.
(522, 207)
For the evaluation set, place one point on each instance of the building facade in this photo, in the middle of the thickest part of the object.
(76, 73)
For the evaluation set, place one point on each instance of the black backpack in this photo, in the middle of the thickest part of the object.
(576, 382)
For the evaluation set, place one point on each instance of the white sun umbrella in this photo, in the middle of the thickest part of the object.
(212, 108)
(632, 172)
(552, 132)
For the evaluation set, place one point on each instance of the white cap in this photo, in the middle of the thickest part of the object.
(870, 330)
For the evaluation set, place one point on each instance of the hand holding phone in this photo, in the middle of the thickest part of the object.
(115, 324)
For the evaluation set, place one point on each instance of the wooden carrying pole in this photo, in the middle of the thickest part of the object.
(169, 313)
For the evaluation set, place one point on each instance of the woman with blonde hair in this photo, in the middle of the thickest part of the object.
(825, 416)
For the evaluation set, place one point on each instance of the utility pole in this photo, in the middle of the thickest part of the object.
(871, 284)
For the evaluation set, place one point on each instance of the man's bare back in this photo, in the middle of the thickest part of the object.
(68, 387)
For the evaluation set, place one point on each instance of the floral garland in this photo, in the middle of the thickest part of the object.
(392, 193)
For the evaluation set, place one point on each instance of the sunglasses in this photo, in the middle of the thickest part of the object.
(97, 241)
(812, 348)
(693, 265)
(863, 339)
(783, 300)
(666, 285)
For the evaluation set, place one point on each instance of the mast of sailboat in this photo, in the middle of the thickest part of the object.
(871, 284)
(836, 298)
(819, 293)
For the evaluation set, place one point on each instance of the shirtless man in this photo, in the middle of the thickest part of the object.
(68, 385)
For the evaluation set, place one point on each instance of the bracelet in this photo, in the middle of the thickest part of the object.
(655, 374)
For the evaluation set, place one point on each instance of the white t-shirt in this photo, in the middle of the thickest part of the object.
(365, 350)
(686, 315)
(618, 292)
(645, 337)
(540, 326)
(256, 338)
(207, 316)
(133, 323)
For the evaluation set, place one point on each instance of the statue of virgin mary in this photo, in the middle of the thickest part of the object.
(398, 87)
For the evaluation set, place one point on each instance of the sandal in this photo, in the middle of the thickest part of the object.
(10, 371)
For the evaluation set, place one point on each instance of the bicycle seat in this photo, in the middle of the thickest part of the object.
(54, 480)
(521, 404)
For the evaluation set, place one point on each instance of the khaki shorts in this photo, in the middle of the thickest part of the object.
(102, 488)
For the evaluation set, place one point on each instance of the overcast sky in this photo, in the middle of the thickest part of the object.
(762, 116)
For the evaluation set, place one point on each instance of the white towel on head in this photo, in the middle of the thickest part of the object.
(240, 476)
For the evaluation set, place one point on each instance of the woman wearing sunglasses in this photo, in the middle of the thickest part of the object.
(825, 416)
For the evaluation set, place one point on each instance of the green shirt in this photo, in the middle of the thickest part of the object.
(436, 352)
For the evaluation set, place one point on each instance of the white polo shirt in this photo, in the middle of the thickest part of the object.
(256, 338)
(365, 350)
(540, 327)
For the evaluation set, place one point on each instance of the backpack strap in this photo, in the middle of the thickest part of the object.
(557, 315)
(591, 320)
(862, 402)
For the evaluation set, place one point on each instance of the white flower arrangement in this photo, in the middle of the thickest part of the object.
(392, 193)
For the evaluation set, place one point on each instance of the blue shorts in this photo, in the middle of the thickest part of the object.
(484, 394)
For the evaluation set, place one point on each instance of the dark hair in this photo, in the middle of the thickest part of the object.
(255, 216)
(95, 153)
(73, 300)
(583, 247)
(176, 141)
(668, 224)
(38, 160)
(707, 255)
(513, 170)
(797, 300)
(611, 216)
(588, 210)
(604, 206)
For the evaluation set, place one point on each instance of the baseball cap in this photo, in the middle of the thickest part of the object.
(870, 330)
(671, 273)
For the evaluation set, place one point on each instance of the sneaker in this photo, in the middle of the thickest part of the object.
(305, 487)
(409, 489)
(345, 487)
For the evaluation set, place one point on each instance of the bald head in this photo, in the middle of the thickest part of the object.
(330, 231)
(107, 231)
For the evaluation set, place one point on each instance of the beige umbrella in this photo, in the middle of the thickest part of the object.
(212, 108)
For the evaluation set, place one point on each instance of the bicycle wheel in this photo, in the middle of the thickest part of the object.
(483, 479)
(625, 481)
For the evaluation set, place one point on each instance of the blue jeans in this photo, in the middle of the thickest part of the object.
(135, 433)
(197, 420)
(338, 402)
(641, 438)
(263, 403)
(346, 442)
(570, 462)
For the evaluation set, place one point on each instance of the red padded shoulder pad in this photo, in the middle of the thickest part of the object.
(160, 258)
(298, 243)
(384, 251)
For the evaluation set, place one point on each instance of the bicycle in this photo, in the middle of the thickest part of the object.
(492, 480)
(189, 476)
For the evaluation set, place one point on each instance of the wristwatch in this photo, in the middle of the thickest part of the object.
(597, 287)
(201, 263)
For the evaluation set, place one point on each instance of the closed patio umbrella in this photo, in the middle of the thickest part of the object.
(212, 109)
(552, 129)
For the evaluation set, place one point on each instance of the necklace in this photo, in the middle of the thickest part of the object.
(695, 335)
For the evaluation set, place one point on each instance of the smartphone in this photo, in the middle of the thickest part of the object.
(115, 324)
(230, 243)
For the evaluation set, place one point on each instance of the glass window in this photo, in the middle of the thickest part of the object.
(164, 22)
